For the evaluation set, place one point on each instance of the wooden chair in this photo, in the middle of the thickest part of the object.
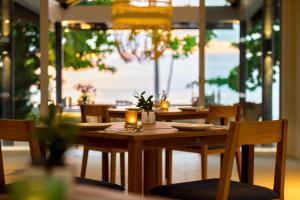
(250, 111)
(102, 114)
(222, 113)
(20, 130)
(241, 133)
(17, 130)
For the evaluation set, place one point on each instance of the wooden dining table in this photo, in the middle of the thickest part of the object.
(165, 115)
(145, 148)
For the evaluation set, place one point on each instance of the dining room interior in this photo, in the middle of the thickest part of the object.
(149, 99)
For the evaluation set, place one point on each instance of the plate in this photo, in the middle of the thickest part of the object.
(134, 109)
(93, 126)
(190, 126)
(194, 108)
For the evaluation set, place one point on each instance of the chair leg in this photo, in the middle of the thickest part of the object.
(113, 167)
(238, 162)
(122, 168)
(169, 163)
(35, 150)
(204, 161)
(84, 161)
(221, 161)
(2, 176)
(166, 163)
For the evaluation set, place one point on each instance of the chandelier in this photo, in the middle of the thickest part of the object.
(142, 14)
(142, 28)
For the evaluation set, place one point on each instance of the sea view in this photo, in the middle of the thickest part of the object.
(221, 57)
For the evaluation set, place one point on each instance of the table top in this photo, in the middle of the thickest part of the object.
(170, 111)
(165, 115)
(159, 130)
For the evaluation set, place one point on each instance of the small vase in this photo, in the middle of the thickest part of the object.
(144, 117)
(148, 117)
(151, 117)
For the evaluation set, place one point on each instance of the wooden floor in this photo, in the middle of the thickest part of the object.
(186, 168)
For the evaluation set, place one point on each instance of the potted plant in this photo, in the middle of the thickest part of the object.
(56, 135)
(51, 178)
(164, 103)
(146, 104)
(86, 91)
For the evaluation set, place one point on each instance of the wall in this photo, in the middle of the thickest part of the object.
(290, 73)
(297, 132)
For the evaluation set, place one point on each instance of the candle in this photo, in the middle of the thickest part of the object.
(164, 105)
(131, 118)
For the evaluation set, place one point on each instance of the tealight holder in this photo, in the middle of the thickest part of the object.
(164, 105)
(131, 119)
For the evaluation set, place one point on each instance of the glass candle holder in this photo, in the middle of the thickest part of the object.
(131, 118)
(164, 104)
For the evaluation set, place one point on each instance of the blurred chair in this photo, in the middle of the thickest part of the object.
(101, 113)
(250, 111)
(241, 133)
(123, 103)
(17, 130)
(223, 114)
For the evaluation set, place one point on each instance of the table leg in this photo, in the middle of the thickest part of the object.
(152, 169)
(105, 171)
(135, 167)
(247, 175)
(2, 176)
(169, 164)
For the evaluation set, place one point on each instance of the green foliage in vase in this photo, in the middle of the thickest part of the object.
(86, 90)
(145, 103)
(164, 95)
(57, 136)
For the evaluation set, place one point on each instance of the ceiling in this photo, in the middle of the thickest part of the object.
(33, 5)
(246, 8)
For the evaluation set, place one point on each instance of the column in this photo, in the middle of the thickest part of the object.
(44, 60)
(267, 60)
(202, 30)
(58, 60)
(6, 62)
(243, 62)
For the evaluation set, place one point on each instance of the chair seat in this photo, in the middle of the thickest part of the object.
(206, 190)
(216, 146)
(106, 150)
(197, 148)
(97, 183)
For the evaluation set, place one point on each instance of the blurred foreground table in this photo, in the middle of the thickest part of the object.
(87, 192)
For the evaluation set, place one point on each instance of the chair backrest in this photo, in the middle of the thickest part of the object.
(95, 110)
(250, 111)
(223, 113)
(17, 130)
(251, 133)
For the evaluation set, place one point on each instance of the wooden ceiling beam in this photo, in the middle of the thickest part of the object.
(98, 14)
